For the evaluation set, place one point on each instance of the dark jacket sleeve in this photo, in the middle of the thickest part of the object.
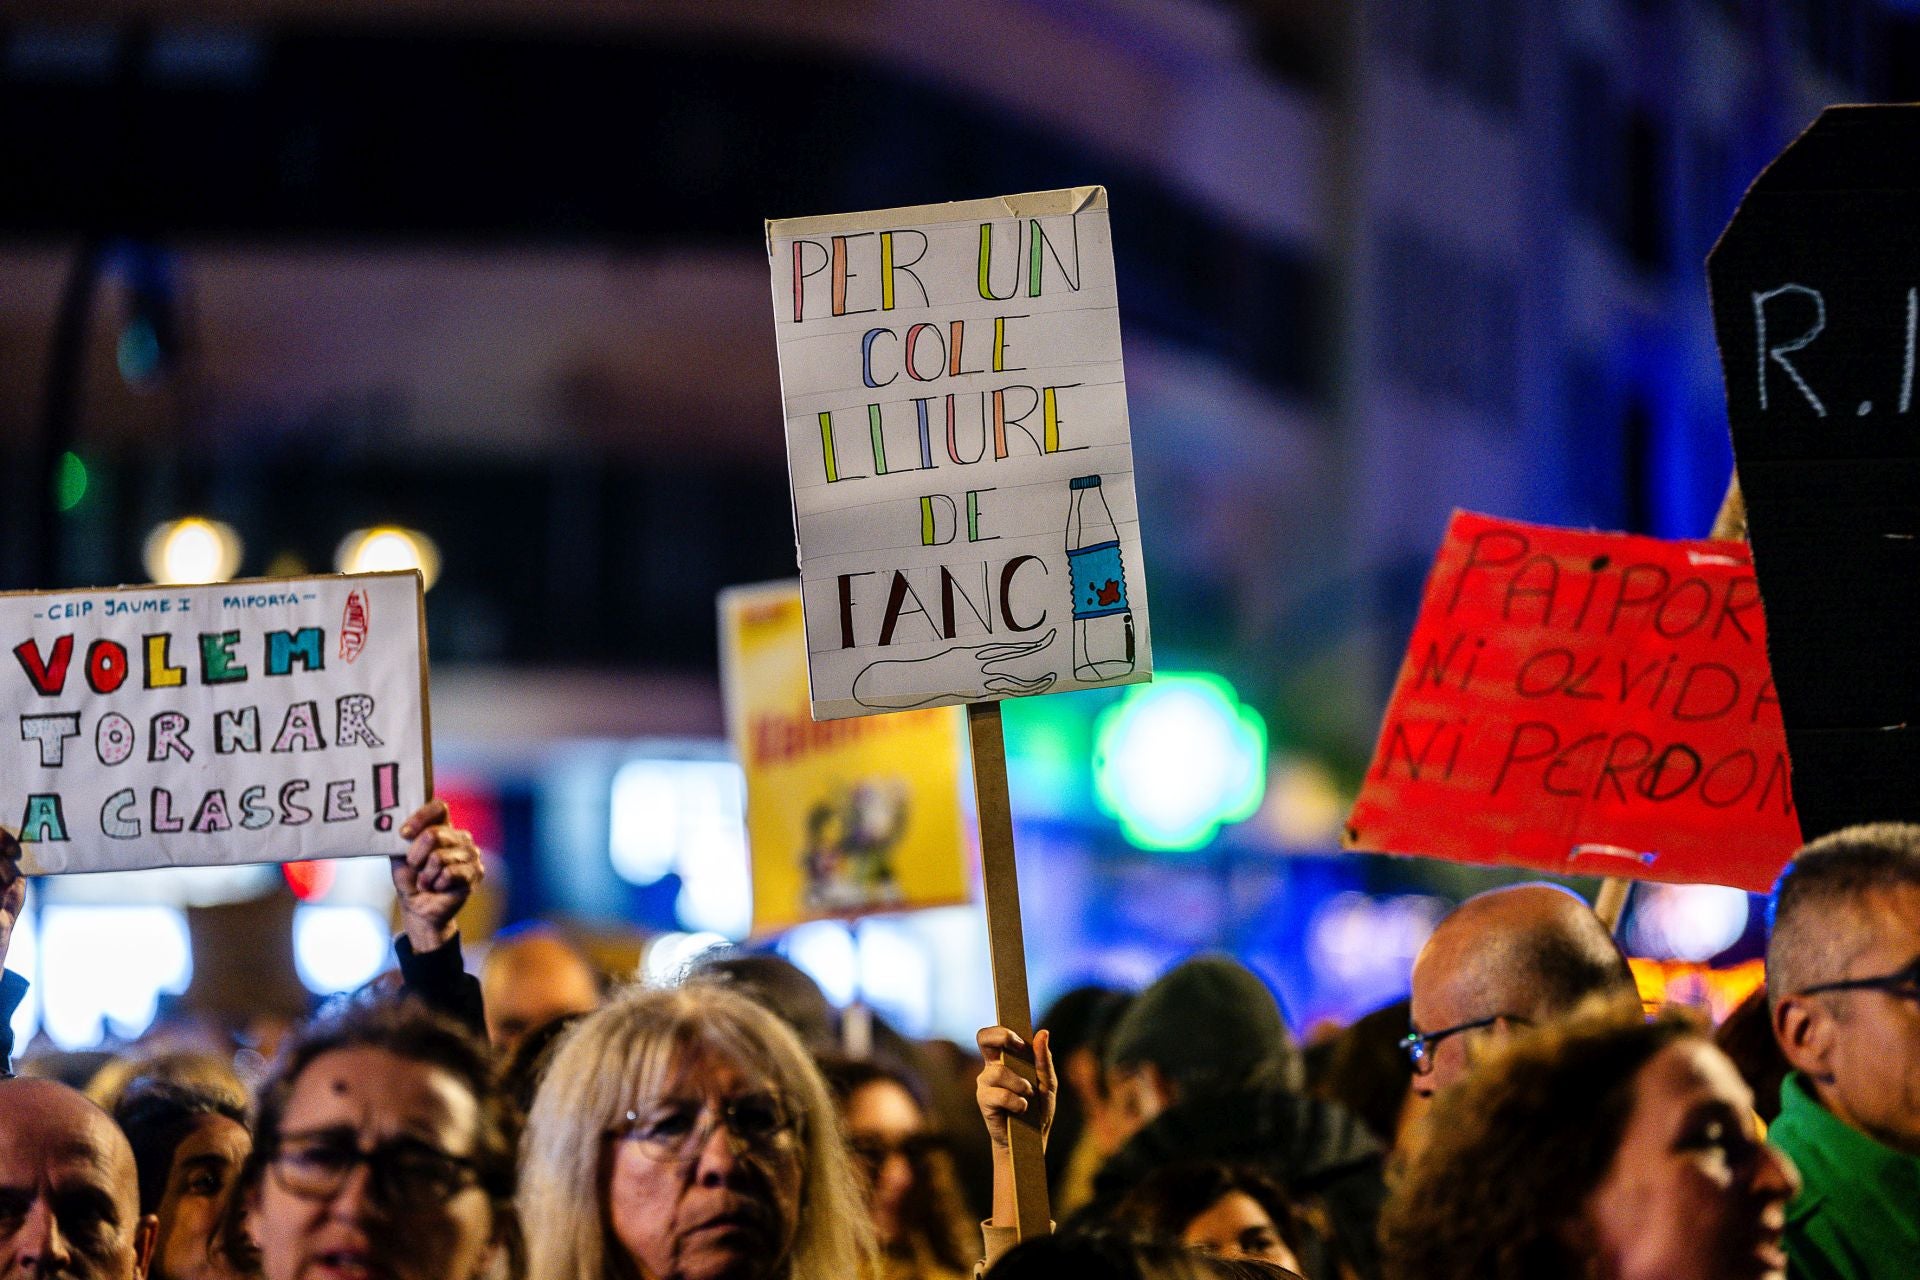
(13, 989)
(439, 980)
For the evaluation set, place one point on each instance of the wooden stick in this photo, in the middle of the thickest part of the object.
(1006, 944)
(1611, 902)
(1729, 522)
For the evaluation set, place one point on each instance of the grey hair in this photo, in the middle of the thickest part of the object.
(1813, 914)
(621, 1058)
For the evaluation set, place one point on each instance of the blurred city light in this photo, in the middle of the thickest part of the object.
(88, 990)
(825, 949)
(170, 886)
(1048, 740)
(959, 983)
(1305, 805)
(338, 948)
(668, 956)
(192, 550)
(308, 880)
(1176, 759)
(388, 548)
(138, 352)
(895, 976)
(1366, 945)
(1685, 921)
(1715, 992)
(641, 836)
(686, 817)
(70, 482)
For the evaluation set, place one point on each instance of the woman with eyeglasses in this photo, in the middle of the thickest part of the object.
(685, 1134)
(382, 1151)
(919, 1217)
(1604, 1146)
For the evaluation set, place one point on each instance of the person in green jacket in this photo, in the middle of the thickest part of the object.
(1843, 979)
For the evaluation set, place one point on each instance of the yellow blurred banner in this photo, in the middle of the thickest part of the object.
(844, 817)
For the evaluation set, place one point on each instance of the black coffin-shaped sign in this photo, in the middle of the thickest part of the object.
(1816, 303)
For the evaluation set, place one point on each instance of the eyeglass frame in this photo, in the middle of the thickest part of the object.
(915, 1148)
(377, 1158)
(1419, 1045)
(627, 1128)
(1890, 983)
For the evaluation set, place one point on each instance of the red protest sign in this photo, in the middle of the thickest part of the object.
(1585, 704)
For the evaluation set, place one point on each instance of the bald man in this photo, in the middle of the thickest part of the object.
(69, 1196)
(1504, 959)
(529, 979)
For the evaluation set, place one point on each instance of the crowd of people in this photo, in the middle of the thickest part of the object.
(1521, 1115)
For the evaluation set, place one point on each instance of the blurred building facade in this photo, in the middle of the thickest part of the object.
(494, 271)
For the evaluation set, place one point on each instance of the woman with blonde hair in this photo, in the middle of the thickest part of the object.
(696, 1126)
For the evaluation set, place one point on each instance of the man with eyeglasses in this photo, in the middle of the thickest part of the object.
(1843, 982)
(1499, 961)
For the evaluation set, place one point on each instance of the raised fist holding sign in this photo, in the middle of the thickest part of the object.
(435, 876)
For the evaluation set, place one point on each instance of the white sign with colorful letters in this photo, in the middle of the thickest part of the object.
(254, 721)
(959, 449)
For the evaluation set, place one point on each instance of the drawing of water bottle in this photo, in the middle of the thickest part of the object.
(1102, 619)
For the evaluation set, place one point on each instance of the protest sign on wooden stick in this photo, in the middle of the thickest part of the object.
(1585, 704)
(962, 478)
(844, 817)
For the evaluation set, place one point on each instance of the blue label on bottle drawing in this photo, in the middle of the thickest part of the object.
(1099, 583)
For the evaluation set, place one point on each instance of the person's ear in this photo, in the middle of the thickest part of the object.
(1804, 1028)
(146, 1235)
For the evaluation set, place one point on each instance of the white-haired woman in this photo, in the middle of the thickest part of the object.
(695, 1123)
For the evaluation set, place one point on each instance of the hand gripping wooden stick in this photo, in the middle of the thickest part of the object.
(1006, 944)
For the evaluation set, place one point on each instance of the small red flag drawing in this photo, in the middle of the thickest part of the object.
(353, 626)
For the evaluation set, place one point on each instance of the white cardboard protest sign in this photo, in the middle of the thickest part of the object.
(959, 451)
(254, 721)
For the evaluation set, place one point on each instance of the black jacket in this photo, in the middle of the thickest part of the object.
(439, 980)
(1316, 1149)
(13, 989)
